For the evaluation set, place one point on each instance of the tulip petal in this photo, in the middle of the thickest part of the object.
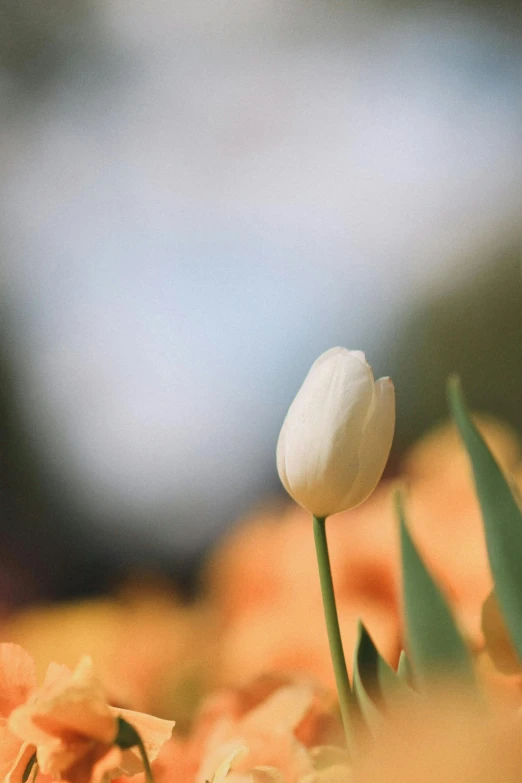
(319, 444)
(376, 443)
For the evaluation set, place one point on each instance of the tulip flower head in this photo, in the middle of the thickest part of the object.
(336, 437)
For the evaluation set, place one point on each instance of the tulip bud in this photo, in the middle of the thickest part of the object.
(337, 434)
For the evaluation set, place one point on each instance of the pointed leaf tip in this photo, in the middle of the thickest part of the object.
(501, 515)
(365, 684)
(435, 645)
(376, 684)
(404, 672)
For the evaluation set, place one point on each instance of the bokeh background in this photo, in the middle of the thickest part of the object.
(198, 198)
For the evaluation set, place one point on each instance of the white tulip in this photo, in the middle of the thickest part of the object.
(337, 435)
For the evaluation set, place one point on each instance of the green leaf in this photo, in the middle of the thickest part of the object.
(389, 682)
(127, 737)
(365, 678)
(434, 643)
(501, 516)
(404, 671)
(373, 677)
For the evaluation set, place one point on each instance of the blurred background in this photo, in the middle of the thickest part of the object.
(199, 198)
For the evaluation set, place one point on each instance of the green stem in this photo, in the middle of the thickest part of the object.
(127, 737)
(31, 764)
(332, 626)
(149, 777)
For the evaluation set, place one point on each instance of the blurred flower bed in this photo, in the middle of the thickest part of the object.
(258, 623)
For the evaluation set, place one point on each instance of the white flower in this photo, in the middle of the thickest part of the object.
(337, 434)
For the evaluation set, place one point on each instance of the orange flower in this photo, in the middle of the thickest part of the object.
(17, 681)
(263, 732)
(263, 737)
(116, 632)
(74, 729)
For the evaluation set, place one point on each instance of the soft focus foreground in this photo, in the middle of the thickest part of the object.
(451, 739)
(245, 669)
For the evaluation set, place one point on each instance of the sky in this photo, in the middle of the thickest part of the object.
(221, 192)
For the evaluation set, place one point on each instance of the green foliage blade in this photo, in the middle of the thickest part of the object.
(365, 665)
(501, 516)
(435, 645)
(374, 679)
(404, 672)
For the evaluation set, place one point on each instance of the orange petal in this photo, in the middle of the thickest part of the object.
(107, 766)
(282, 711)
(267, 775)
(68, 704)
(17, 677)
(14, 756)
(97, 764)
(232, 752)
(56, 675)
(154, 733)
